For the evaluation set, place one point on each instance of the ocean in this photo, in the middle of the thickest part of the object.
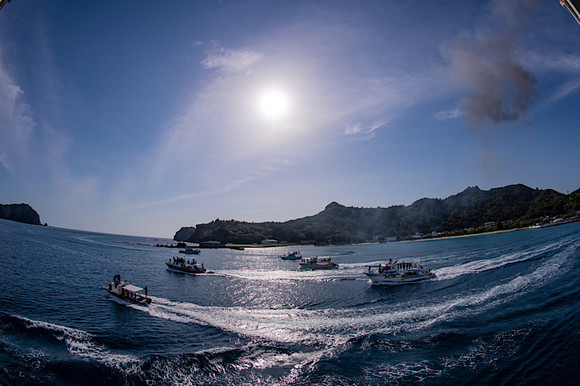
(503, 310)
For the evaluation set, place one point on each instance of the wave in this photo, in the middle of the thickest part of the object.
(22, 333)
(36, 344)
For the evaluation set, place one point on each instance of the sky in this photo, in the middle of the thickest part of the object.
(142, 117)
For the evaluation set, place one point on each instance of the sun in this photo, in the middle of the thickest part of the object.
(274, 104)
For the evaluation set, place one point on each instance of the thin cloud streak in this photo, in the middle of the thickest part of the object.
(231, 60)
(225, 189)
(567, 89)
(16, 122)
(454, 113)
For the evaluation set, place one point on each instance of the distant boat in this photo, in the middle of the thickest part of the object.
(127, 291)
(317, 263)
(179, 264)
(190, 251)
(292, 256)
(398, 273)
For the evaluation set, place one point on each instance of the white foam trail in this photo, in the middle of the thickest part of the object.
(482, 265)
(80, 343)
(333, 327)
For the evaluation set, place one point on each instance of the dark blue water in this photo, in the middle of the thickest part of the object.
(504, 309)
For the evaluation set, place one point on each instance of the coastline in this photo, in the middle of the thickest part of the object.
(552, 224)
(469, 235)
(435, 238)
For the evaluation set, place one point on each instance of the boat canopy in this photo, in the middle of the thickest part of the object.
(132, 288)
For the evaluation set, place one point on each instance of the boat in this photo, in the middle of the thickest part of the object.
(292, 256)
(190, 251)
(179, 264)
(317, 263)
(398, 273)
(127, 291)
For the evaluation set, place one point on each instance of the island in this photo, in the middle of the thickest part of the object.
(471, 211)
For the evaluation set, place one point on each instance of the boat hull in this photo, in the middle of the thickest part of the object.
(313, 263)
(190, 251)
(292, 256)
(137, 299)
(185, 269)
(319, 266)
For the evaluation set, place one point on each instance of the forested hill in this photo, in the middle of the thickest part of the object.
(19, 212)
(511, 206)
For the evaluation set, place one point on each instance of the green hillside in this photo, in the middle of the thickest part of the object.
(511, 206)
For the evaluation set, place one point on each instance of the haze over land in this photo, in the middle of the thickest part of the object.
(141, 117)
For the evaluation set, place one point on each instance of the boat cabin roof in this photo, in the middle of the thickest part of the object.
(132, 288)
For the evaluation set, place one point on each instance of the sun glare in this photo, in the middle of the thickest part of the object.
(274, 104)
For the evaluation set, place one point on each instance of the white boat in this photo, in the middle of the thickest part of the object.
(179, 264)
(292, 256)
(398, 273)
(127, 291)
(317, 263)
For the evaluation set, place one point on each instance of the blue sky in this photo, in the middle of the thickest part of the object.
(140, 117)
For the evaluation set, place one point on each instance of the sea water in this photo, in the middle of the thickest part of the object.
(503, 309)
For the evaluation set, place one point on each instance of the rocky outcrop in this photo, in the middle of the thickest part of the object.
(19, 212)
(184, 233)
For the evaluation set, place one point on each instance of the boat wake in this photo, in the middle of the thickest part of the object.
(333, 327)
(18, 332)
(487, 264)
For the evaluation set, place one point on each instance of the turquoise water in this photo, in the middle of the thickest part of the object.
(502, 310)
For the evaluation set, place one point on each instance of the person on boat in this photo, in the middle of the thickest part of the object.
(117, 280)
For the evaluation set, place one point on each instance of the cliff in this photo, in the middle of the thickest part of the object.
(468, 211)
(184, 234)
(19, 212)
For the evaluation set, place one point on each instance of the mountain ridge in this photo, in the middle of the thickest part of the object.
(505, 207)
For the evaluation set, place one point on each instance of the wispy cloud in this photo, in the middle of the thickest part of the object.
(552, 61)
(556, 62)
(454, 113)
(568, 88)
(362, 132)
(231, 60)
(16, 121)
(222, 186)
